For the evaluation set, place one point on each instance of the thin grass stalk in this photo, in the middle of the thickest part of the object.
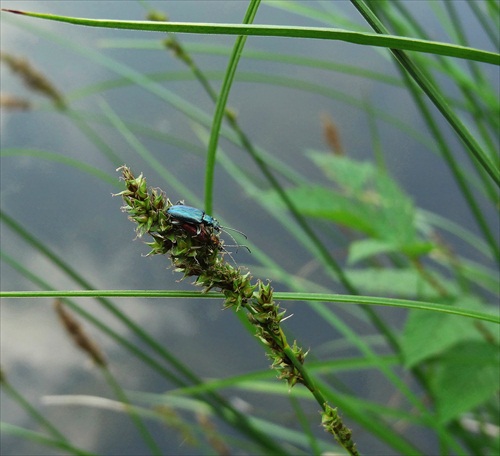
(308, 297)
(292, 59)
(251, 54)
(436, 132)
(306, 426)
(375, 136)
(41, 439)
(219, 404)
(456, 172)
(123, 342)
(220, 107)
(456, 22)
(487, 22)
(91, 134)
(82, 339)
(37, 416)
(469, 86)
(477, 110)
(146, 436)
(472, 146)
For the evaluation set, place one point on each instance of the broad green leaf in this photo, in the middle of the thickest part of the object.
(325, 203)
(430, 334)
(366, 248)
(406, 283)
(350, 175)
(365, 199)
(467, 376)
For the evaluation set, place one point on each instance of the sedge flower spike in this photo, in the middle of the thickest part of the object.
(191, 238)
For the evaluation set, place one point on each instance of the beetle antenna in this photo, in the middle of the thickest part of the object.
(225, 228)
(234, 240)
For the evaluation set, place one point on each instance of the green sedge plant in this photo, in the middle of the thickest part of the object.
(201, 254)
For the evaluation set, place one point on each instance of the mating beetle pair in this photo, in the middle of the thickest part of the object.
(192, 218)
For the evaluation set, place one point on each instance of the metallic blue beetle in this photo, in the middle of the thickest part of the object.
(193, 216)
(182, 215)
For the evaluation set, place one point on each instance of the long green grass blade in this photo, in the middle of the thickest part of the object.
(323, 297)
(434, 95)
(220, 107)
(370, 39)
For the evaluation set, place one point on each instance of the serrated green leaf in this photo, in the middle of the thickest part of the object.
(366, 248)
(405, 283)
(351, 175)
(364, 199)
(429, 334)
(390, 212)
(396, 220)
(325, 203)
(465, 377)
